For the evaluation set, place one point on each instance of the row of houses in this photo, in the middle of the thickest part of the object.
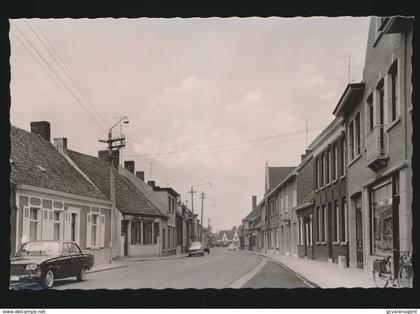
(61, 194)
(349, 200)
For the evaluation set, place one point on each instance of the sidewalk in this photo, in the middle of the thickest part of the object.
(323, 274)
(130, 261)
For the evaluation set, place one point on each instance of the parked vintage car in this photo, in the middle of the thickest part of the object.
(45, 261)
(195, 248)
(231, 247)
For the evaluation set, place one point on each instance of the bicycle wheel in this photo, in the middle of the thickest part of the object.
(380, 280)
(405, 276)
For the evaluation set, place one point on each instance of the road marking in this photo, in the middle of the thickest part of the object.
(248, 276)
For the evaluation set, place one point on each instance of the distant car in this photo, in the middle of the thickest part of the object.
(195, 248)
(231, 247)
(45, 261)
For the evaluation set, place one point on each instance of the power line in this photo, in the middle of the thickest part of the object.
(64, 68)
(56, 77)
(221, 145)
(161, 155)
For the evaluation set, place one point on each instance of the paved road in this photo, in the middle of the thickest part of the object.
(220, 269)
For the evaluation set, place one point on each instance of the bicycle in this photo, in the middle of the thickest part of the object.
(383, 271)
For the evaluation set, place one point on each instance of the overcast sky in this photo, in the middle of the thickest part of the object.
(196, 91)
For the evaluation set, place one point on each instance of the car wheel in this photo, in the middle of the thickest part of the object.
(81, 276)
(47, 280)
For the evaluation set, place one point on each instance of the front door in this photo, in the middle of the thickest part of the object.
(359, 237)
(125, 233)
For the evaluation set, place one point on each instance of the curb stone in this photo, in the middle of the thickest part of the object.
(308, 282)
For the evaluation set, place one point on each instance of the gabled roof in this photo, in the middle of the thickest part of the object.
(36, 162)
(146, 190)
(129, 199)
(231, 233)
(275, 175)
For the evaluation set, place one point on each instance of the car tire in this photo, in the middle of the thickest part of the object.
(47, 280)
(81, 276)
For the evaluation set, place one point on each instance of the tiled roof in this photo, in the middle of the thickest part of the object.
(146, 190)
(128, 199)
(36, 162)
(277, 175)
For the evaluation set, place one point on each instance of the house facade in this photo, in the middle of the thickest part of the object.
(169, 234)
(138, 213)
(51, 200)
(330, 216)
(377, 114)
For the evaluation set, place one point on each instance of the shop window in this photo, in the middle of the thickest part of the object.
(382, 219)
(147, 232)
(135, 232)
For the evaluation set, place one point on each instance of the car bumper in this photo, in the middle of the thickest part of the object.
(192, 253)
(24, 281)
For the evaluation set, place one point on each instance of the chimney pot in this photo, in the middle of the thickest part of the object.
(254, 201)
(61, 144)
(41, 128)
(140, 175)
(151, 183)
(129, 165)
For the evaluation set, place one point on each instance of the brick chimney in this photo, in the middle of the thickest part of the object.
(151, 183)
(41, 128)
(61, 144)
(254, 201)
(129, 165)
(103, 155)
(140, 175)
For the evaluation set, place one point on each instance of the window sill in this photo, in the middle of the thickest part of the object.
(343, 243)
(396, 121)
(354, 160)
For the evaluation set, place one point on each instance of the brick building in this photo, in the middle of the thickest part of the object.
(330, 203)
(377, 114)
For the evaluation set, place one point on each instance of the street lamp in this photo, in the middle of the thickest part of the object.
(192, 203)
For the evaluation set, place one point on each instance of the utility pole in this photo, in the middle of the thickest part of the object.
(202, 222)
(192, 205)
(119, 143)
(192, 210)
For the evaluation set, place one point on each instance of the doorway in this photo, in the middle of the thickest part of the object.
(359, 232)
(125, 233)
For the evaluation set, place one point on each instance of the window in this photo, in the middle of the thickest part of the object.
(163, 239)
(343, 156)
(300, 226)
(393, 91)
(170, 237)
(57, 225)
(381, 95)
(34, 224)
(334, 163)
(336, 234)
(382, 219)
(322, 170)
(156, 232)
(94, 230)
(73, 248)
(351, 140)
(135, 232)
(324, 223)
(371, 112)
(147, 232)
(319, 219)
(328, 167)
(294, 194)
(65, 249)
(343, 229)
(310, 230)
(357, 134)
(316, 174)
